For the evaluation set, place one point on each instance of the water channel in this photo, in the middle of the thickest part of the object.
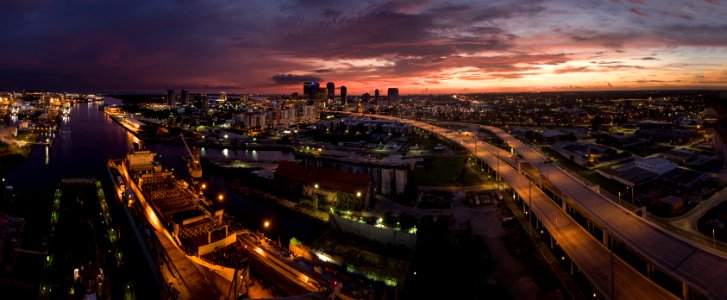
(80, 148)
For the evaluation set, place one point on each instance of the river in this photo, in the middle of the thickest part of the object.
(87, 138)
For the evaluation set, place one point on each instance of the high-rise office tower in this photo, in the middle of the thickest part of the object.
(310, 89)
(171, 97)
(365, 97)
(223, 96)
(184, 97)
(203, 103)
(331, 90)
(393, 96)
(343, 95)
(376, 96)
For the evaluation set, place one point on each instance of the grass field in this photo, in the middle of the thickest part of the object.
(446, 171)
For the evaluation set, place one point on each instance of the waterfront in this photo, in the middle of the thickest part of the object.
(81, 147)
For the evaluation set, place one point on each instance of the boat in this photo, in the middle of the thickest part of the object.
(180, 215)
(77, 254)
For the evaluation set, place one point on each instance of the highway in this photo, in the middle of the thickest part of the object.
(701, 269)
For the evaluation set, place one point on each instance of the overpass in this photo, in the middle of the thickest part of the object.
(701, 272)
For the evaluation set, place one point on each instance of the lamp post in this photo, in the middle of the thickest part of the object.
(530, 204)
(714, 240)
(613, 287)
(632, 194)
(475, 137)
(619, 198)
(497, 174)
(266, 225)
(316, 195)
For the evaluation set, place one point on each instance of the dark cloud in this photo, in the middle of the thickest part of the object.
(392, 28)
(638, 12)
(221, 44)
(695, 35)
(612, 40)
(680, 15)
(26, 6)
(646, 58)
(288, 79)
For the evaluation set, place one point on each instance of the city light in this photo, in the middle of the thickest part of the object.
(597, 100)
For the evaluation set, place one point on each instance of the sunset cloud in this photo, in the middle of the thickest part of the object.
(273, 46)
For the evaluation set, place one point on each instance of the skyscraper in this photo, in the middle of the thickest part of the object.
(171, 97)
(376, 96)
(203, 103)
(331, 90)
(393, 95)
(310, 89)
(223, 96)
(343, 95)
(184, 97)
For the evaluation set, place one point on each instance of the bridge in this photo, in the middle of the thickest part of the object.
(588, 227)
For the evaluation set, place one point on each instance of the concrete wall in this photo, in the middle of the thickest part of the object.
(401, 181)
(381, 235)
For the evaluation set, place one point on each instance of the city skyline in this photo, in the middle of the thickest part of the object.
(418, 47)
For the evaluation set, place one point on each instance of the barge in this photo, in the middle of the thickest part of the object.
(192, 231)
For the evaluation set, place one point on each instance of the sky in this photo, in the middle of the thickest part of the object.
(249, 46)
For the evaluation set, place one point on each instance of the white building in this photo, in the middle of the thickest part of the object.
(254, 120)
(307, 114)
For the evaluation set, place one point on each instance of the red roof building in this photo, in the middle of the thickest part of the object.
(299, 178)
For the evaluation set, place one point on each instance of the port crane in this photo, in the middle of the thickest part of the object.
(193, 166)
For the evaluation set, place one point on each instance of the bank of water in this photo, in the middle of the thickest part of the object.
(80, 148)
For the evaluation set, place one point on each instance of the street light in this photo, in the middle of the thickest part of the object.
(619, 198)
(266, 224)
(316, 185)
(475, 137)
(220, 197)
(530, 199)
(632, 194)
(204, 186)
(358, 194)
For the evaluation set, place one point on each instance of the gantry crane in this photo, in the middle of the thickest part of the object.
(194, 166)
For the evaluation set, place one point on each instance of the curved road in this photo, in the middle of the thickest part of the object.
(701, 269)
